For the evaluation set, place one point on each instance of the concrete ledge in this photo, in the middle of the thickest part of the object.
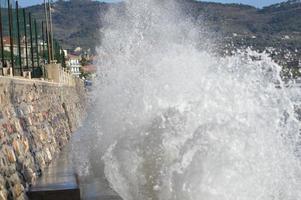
(55, 185)
(22, 80)
(61, 194)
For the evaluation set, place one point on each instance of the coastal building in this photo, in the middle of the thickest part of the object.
(23, 52)
(74, 65)
(6, 45)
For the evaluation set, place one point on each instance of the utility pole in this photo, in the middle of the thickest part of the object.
(2, 44)
(47, 31)
(51, 30)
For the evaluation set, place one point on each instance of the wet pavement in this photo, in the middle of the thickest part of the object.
(79, 166)
(61, 176)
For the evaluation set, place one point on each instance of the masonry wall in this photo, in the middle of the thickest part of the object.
(36, 121)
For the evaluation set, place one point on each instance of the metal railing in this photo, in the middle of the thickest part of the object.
(26, 44)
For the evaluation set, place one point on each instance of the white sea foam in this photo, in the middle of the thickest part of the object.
(184, 124)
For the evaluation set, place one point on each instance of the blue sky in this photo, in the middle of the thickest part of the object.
(257, 3)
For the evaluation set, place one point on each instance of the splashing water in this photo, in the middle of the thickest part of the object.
(184, 124)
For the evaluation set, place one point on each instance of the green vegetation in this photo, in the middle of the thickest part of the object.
(76, 22)
(63, 59)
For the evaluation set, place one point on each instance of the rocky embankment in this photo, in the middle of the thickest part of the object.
(36, 121)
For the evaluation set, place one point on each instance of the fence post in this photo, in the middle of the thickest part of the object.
(43, 38)
(25, 35)
(10, 21)
(19, 40)
(31, 44)
(37, 44)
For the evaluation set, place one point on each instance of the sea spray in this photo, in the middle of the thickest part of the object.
(181, 123)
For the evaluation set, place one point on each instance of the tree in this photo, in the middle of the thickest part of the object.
(84, 61)
(63, 59)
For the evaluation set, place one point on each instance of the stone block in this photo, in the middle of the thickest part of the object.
(27, 74)
(10, 169)
(17, 99)
(2, 136)
(17, 147)
(42, 137)
(7, 113)
(48, 155)
(2, 182)
(3, 161)
(10, 154)
(29, 121)
(30, 109)
(20, 112)
(17, 190)
(53, 72)
(41, 117)
(12, 128)
(18, 126)
(29, 174)
(14, 179)
(25, 145)
(8, 128)
(23, 107)
(22, 123)
(52, 149)
(49, 130)
(45, 115)
(40, 159)
(3, 195)
(30, 97)
(22, 197)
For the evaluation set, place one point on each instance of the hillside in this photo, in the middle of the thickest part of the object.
(77, 22)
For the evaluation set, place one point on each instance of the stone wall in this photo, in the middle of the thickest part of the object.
(36, 121)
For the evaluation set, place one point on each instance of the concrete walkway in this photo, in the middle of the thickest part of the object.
(79, 165)
(61, 175)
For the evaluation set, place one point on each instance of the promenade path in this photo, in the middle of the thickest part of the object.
(79, 163)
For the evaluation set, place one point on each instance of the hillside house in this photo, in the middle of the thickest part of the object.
(73, 64)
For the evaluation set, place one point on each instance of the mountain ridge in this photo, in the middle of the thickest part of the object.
(77, 22)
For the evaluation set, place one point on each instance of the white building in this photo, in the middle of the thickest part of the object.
(73, 64)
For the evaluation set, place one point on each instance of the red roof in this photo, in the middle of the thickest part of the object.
(6, 40)
(70, 56)
(89, 68)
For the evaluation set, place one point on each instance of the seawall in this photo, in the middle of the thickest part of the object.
(37, 119)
